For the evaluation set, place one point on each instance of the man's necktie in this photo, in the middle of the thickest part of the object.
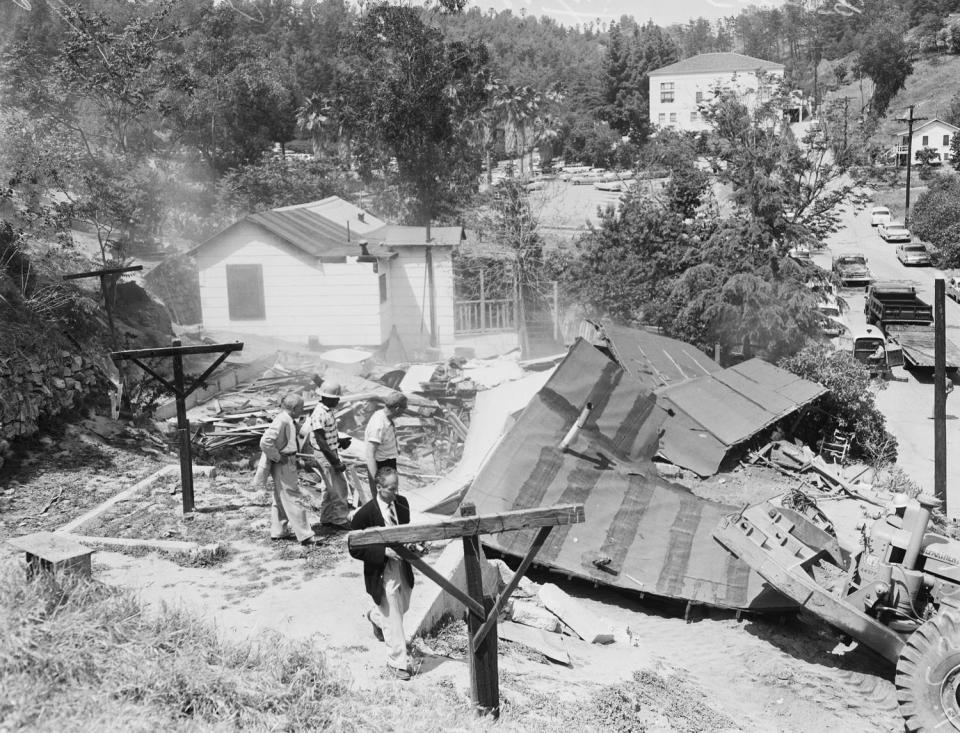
(392, 515)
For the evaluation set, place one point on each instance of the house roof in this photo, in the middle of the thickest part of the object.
(333, 227)
(711, 414)
(655, 360)
(917, 128)
(641, 532)
(706, 63)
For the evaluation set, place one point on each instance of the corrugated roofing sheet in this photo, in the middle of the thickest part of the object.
(657, 360)
(641, 532)
(709, 415)
(707, 63)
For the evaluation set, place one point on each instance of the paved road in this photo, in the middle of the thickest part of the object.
(907, 401)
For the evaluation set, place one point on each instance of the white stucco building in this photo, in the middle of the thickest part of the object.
(677, 90)
(934, 134)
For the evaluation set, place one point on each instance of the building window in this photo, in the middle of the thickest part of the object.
(245, 293)
(662, 119)
(383, 287)
(673, 118)
(666, 91)
(699, 97)
(694, 116)
(925, 140)
(946, 140)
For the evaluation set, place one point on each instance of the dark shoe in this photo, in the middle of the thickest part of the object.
(309, 542)
(400, 674)
(342, 526)
(283, 537)
(377, 631)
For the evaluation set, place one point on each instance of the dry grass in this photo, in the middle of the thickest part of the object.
(80, 655)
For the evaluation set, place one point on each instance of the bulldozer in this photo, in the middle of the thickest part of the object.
(899, 595)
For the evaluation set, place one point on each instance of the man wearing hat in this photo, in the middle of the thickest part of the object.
(381, 436)
(321, 430)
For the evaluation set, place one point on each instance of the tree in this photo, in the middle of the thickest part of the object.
(955, 151)
(883, 56)
(405, 94)
(936, 219)
(850, 404)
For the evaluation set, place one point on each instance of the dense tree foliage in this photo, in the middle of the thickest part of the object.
(936, 219)
(849, 406)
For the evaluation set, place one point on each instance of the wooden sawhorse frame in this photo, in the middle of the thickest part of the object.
(483, 609)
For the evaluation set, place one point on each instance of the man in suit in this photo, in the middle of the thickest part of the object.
(388, 577)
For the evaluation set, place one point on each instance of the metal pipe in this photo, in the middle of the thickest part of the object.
(940, 391)
(917, 531)
(575, 428)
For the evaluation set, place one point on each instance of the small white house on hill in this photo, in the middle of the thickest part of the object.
(677, 90)
(327, 273)
(934, 134)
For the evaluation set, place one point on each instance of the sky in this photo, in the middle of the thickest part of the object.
(661, 12)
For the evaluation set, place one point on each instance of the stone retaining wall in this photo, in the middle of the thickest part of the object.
(37, 387)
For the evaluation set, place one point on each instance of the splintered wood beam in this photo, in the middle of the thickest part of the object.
(511, 586)
(202, 378)
(467, 526)
(175, 350)
(101, 273)
(443, 582)
(156, 376)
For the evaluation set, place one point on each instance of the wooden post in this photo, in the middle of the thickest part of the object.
(183, 433)
(940, 392)
(484, 671)
(483, 304)
(180, 392)
(431, 291)
(556, 311)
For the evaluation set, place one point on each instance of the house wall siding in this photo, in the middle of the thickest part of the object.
(338, 303)
(410, 300)
(934, 134)
(685, 88)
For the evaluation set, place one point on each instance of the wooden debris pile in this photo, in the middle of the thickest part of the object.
(429, 433)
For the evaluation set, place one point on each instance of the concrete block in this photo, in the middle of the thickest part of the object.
(429, 603)
(585, 624)
(530, 614)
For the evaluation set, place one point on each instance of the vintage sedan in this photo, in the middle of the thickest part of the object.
(953, 287)
(851, 269)
(880, 215)
(913, 254)
(894, 231)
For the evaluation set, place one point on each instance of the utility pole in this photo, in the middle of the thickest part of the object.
(909, 120)
(940, 393)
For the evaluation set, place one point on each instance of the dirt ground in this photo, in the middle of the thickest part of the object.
(714, 673)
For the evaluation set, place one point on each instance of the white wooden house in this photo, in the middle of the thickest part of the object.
(677, 90)
(329, 274)
(934, 134)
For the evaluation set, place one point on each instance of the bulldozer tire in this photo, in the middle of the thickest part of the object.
(928, 676)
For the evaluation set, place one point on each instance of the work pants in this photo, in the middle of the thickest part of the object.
(389, 614)
(286, 513)
(333, 502)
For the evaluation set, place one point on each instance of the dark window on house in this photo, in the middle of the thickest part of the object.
(383, 288)
(693, 116)
(666, 91)
(925, 140)
(245, 293)
(673, 118)
(699, 97)
(946, 140)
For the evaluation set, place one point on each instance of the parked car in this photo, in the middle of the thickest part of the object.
(800, 254)
(894, 231)
(913, 254)
(831, 325)
(953, 288)
(851, 269)
(880, 215)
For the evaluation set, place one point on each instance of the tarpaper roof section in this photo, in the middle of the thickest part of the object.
(709, 415)
(655, 360)
(641, 532)
(708, 63)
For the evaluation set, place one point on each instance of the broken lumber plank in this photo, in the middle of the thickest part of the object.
(115, 499)
(530, 614)
(585, 624)
(549, 645)
(167, 545)
(466, 526)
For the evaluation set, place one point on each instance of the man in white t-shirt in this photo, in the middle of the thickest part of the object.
(381, 436)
